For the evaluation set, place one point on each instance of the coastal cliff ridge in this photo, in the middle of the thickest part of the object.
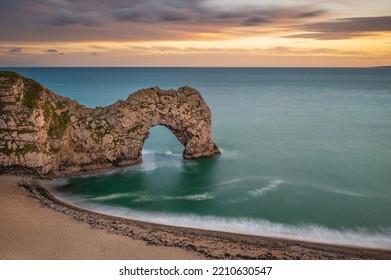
(50, 135)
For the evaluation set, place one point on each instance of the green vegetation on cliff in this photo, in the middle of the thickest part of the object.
(48, 110)
(31, 95)
(5, 150)
(18, 131)
(53, 150)
(10, 74)
(28, 148)
(58, 125)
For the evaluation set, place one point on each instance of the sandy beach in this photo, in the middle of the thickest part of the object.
(34, 225)
(30, 231)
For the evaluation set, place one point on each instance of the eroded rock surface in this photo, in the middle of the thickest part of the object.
(51, 135)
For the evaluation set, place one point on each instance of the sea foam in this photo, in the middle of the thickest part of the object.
(361, 237)
(274, 184)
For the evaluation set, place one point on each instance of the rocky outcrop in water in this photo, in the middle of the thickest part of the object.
(51, 135)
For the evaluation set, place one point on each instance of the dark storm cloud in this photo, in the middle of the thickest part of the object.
(176, 15)
(345, 28)
(66, 18)
(310, 14)
(75, 20)
(254, 20)
(229, 15)
(278, 15)
(51, 51)
(167, 10)
(15, 50)
(145, 13)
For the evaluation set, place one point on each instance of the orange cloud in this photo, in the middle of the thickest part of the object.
(198, 32)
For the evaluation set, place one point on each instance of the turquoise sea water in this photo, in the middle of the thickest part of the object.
(306, 152)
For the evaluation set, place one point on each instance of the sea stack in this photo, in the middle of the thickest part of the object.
(50, 135)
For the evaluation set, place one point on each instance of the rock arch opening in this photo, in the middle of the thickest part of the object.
(162, 140)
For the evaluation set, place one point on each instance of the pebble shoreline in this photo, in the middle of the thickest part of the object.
(209, 244)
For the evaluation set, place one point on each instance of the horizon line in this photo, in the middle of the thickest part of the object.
(376, 66)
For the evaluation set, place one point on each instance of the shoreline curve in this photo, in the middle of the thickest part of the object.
(207, 243)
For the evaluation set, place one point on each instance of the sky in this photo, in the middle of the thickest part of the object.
(195, 33)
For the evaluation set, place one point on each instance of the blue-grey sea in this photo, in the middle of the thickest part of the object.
(306, 152)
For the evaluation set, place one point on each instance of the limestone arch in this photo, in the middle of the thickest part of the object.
(184, 113)
(62, 137)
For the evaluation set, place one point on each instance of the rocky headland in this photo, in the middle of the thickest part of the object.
(48, 135)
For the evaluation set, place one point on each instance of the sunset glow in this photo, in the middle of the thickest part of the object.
(195, 33)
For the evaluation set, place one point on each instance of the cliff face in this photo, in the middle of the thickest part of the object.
(51, 135)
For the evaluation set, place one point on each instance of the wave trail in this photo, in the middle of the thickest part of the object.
(362, 237)
(262, 191)
(193, 197)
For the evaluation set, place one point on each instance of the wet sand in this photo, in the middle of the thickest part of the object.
(30, 229)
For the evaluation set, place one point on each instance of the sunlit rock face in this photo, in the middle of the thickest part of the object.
(50, 135)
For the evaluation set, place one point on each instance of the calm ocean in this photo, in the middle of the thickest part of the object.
(306, 152)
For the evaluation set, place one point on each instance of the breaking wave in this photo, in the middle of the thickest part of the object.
(228, 153)
(270, 187)
(147, 152)
(170, 153)
(140, 197)
(348, 193)
(114, 196)
(361, 237)
(56, 183)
